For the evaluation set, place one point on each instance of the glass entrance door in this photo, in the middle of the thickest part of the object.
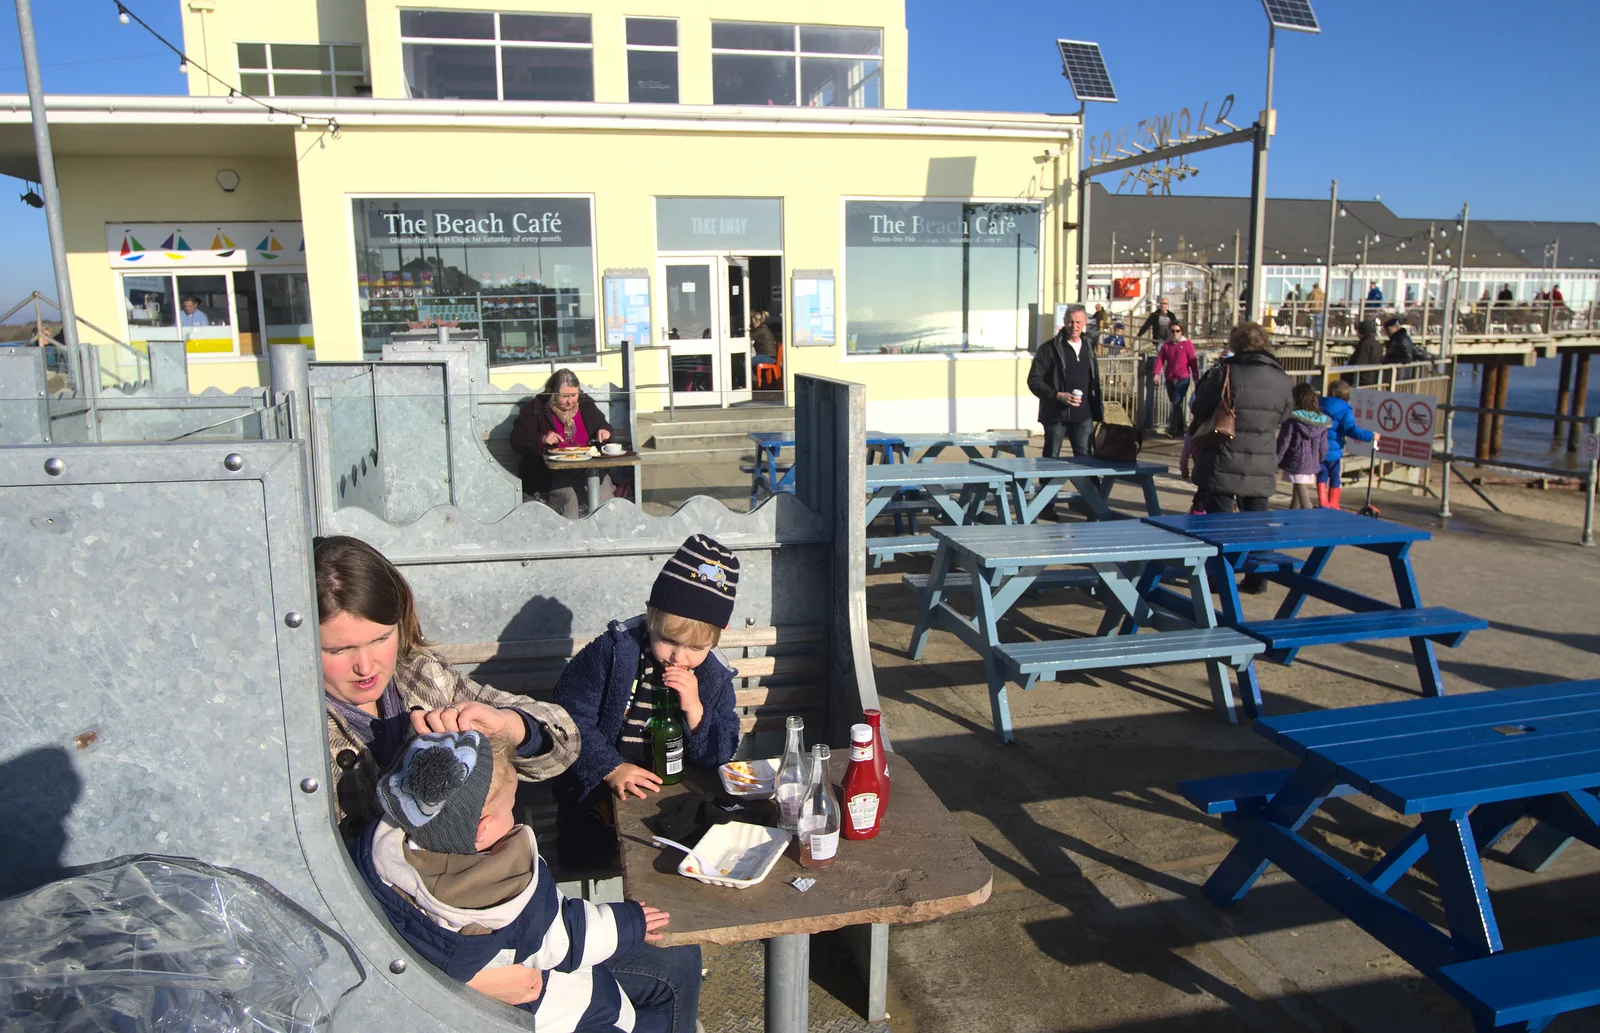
(705, 317)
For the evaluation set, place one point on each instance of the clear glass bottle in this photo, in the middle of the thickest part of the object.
(819, 815)
(793, 775)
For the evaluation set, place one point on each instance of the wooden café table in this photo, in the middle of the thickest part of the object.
(592, 466)
(920, 867)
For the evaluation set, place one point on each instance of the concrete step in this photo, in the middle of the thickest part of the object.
(663, 457)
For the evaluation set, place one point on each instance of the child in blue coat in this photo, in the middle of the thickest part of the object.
(607, 690)
(1336, 407)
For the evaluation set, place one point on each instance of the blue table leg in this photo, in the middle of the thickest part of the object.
(931, 597)
(1301, 795)
(755, 475)
(1489, 823)
(985, 611)
(1311, 568)
(1221, 570)
(1152, 501)
(1096, 497)
(1461, 883)
(1405, 584)
(1205, 617)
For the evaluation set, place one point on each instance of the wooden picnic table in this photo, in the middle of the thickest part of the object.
(767, 474)
(1253, 543)
(1471, 766)
(1090, 478)
(927, 447)
(593, 466)
(1001, 563)
(921, 866)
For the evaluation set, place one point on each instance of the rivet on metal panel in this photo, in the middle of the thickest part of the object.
(397, 966)
(749, 622)
(234, 462)
(294, 618)
(53, 466)
(309, 785)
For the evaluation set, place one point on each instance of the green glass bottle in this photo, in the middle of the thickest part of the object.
(665, 732)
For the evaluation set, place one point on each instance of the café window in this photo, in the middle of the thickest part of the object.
(168, 307)
(518, 270)
(466, 55)
(939, 276)
(301, 69)
(806, 65)
(652, 60)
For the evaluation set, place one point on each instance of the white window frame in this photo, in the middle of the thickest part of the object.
(172, 275)
(797, 54)
(333, 75)
(497, 44)
(652, 48)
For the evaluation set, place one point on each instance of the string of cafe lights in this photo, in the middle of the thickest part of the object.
(185, 62)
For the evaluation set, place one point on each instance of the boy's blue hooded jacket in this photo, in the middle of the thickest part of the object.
(1344, 425)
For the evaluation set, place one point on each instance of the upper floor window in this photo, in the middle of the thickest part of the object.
(468, 55)
(807, 65)
(301, 69)
(652, 60)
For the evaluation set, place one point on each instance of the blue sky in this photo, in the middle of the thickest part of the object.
(1424, 103)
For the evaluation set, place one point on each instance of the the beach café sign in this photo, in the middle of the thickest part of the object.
(206, 245)
(486, 222)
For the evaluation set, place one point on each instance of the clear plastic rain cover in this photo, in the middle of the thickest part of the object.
(168, 944)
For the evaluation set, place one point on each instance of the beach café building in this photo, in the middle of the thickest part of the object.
(564, 177)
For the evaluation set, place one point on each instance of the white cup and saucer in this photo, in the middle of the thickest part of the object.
(611, 448)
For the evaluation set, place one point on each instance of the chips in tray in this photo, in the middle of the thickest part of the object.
(756, 778)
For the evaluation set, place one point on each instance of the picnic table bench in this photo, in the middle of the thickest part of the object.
(1470, 766)
(766, 470)
(927, 447)
(1123, 556)
(1255, 543)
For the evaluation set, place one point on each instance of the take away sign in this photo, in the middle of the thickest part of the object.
(1405, 423)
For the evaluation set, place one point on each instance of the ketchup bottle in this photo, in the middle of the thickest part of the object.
(880, 756)
(863, 789)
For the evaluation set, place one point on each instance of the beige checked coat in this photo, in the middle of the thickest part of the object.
(425, 680)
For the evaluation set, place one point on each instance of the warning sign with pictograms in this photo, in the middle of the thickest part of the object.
(1406, 424)
(1588, 447)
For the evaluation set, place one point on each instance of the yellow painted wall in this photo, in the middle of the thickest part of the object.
(812, 173)
(212, 27)
(99, 190)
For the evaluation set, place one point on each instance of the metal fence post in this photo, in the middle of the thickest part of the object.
(1588, 490)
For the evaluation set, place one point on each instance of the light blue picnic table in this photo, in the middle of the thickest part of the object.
(958, 490)
(1090, 478)
(1470, 767)
(927, 447)
(767, 473)
(1003, 562)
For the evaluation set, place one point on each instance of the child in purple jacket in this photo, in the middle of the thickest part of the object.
(1302, 445)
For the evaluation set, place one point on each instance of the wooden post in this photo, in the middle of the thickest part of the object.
(1489, 376)
(1502, 385)
(1580, 400)
(1563, 398)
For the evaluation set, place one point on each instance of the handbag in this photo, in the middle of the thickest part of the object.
(1116, 438)
(1219, 428)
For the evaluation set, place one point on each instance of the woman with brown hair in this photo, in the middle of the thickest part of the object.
(1242, 472)
(559, 416)
(382, 683)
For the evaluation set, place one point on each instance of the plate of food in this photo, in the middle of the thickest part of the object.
(570, 453)
(741, 853)
(752, 779)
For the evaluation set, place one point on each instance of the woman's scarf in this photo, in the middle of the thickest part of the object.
(566, 419)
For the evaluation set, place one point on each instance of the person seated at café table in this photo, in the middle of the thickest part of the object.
(559, 416)
(608, 689)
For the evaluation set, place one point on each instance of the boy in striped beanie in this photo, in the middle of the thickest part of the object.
(607, 689)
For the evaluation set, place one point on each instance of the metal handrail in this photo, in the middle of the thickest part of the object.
(1450, 458)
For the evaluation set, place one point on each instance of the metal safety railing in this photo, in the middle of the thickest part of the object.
(1590, 472)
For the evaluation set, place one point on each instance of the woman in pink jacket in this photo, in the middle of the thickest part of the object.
(1177, 360)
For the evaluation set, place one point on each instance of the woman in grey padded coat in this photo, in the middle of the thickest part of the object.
(1242, 474)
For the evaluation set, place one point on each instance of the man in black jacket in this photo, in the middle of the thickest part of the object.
(1401, 348)
(1065, 377)
(1369, 351)
(1159, 324)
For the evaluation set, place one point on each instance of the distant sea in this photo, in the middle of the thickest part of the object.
(1533, 389)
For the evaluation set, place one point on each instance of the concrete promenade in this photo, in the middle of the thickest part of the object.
(1096, 921)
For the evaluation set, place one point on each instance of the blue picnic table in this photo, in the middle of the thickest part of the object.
(960, 491)
(1090, 478)
(927, 447)
(767, 472)
(1254, 543)
(1470, 766)
(1000, 563)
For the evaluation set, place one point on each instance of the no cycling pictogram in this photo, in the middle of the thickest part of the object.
(1389, 415)
(1419, 420)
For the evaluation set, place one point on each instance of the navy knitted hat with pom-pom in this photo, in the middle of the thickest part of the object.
(436, 789)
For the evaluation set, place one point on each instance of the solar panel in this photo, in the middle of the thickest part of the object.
(1295, 15)
(1085, 69)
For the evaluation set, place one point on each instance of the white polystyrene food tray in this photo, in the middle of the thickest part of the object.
(742, 854)
(766, 770)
